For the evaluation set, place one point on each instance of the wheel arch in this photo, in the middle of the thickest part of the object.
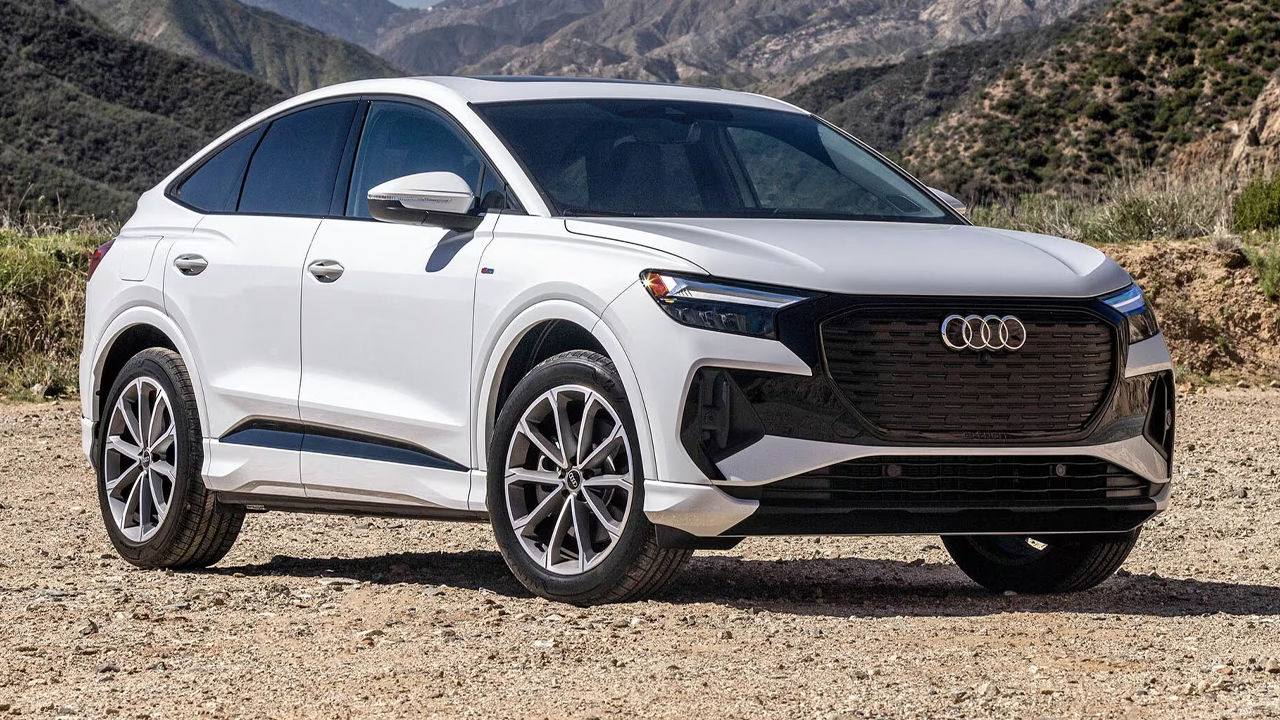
(131, 332)
(539, 332)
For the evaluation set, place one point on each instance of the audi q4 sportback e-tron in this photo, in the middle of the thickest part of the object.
(620, 322)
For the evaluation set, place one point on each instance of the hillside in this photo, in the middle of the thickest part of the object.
(88, 119)
(1133, 87)
(285, 53)
(357, 21)
(883, 104)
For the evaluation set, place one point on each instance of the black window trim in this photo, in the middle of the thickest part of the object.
(346, 164)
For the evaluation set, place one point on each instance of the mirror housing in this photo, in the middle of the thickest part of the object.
(951, 200)
(442, 199)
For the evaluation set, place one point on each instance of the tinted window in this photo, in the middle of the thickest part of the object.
(655, 158)
(215, 186)
(400, 139)
(293, 170)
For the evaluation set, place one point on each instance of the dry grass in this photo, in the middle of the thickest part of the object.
(1132, 208)
(42, 280)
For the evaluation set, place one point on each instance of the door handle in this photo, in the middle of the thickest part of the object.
(326, 271)
(190, 264)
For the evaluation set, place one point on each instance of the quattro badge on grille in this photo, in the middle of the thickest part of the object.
(983, 332)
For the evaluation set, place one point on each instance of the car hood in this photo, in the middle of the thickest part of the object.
(874, 257)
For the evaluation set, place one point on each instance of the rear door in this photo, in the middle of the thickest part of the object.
(234, 286)
(386, 327)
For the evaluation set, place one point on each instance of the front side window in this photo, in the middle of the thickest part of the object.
(215, 185)
(295, 166)
(656, 158)
(401, 139)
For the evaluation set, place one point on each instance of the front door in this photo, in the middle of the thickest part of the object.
(386, 329)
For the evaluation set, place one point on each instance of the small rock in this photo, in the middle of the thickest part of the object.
(369, 634)
(726, 634)
(1274, 384)
(160, 666)
(1243, 493)
(1242, 384)
(1223, 669)
(988, 690)
(108, 668)
(544, 643)
(1010, 593)
(89, 629)
(1272, 665)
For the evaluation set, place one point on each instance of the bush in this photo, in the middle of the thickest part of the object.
(1265, 260)
(1258, 206)
(42, 280)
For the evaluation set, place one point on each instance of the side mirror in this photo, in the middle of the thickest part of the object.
(951, 200)
(441, 199)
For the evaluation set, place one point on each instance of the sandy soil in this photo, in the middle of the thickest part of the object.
(343, 617)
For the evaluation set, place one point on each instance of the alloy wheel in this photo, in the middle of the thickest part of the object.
(569, 480)
(140, 459)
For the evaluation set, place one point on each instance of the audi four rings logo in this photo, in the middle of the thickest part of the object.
(983, 332)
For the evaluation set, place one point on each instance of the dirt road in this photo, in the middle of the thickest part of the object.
(338, 617)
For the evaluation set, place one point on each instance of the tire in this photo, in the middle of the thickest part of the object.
(191, 529)
(1045, 564)
(537, 505)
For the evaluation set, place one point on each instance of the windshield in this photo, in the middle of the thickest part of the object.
(657, 158)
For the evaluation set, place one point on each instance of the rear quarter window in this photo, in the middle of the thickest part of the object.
(215, 185)
(295, 166)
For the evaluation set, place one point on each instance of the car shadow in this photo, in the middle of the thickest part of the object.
(837, 587)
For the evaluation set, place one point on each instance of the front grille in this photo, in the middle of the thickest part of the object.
(891, 365)
(954, 483)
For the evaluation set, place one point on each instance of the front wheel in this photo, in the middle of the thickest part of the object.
(566, 488)
(1041, 564)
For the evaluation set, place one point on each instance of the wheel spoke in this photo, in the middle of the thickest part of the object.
(598, 509)
(545, 446)
(124, 476)
(538, 477)
(605, 450)
(157, 424)
(144, 414)
(129, 507)
(130, 419)
(564, 429)
(124, 447)
(145, 501)
(166, 469)
(165, 441)
(548, 506)
(581, 533)
(158, 497)
(558, 533)
(586, 431)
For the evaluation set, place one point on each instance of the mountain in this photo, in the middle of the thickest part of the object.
(730, 42)
(882, 105)
(357, 21)
(285, 53)
(89, 120)
(1141, 84)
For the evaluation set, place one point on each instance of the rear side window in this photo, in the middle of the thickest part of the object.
(215, 186)
(294, 168)
(401, 139)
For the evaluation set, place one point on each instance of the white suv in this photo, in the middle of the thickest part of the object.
(619, 321)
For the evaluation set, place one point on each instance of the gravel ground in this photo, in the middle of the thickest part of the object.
(314, 616)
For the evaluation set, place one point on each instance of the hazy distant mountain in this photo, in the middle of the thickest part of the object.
(281, 51)
(730, 42)
(357, 21)
(88, 119)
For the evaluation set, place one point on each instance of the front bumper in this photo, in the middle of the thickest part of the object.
(788, 461)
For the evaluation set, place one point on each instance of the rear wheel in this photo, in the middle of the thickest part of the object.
(157, 510)
(1040, 564)
(565, 487)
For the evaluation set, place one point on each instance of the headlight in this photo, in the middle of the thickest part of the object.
(710, 304)
(1133, 305)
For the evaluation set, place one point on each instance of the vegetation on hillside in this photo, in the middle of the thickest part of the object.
(285, 53)
(89, 120)
(1258, 205)
(1143, 79)
(883, 104)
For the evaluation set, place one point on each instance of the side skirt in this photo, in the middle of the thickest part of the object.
(254, 502)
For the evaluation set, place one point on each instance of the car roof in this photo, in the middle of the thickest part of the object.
(507, 88)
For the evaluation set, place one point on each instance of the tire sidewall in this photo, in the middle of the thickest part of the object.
(153, 551)
(596, 373)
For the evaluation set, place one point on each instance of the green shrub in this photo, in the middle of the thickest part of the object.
(1265, 260)
(1258, 206)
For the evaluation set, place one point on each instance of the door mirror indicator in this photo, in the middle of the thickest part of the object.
(442, 199)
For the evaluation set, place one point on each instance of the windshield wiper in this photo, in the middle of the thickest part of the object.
(583, 212)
